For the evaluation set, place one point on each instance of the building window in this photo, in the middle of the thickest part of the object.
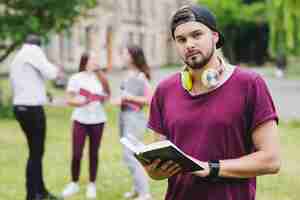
(88, 38)
(130, 38)
(141, 40)
(153, 47)
(167, 13)
(139, 8)
(153, 9)
(130, 5)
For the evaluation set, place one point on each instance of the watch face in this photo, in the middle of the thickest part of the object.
(214, 164)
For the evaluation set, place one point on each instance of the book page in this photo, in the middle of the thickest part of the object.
(132, 144)
(157, 145)
(161, 144)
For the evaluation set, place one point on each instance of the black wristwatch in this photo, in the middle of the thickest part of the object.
(214, 168)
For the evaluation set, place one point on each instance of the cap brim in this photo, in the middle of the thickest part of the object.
(221, 41)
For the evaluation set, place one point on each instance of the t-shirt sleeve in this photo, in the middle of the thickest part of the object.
(262, 107)
(73, 85)
(155, 121)
(41, 63)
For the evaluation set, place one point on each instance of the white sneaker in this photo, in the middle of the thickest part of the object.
(70, 189)
(144, 197)
(91, 191)
(130, 195)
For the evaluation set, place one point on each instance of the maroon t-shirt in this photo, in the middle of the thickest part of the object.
(212, 126)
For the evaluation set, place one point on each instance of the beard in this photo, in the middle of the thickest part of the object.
(200, 60)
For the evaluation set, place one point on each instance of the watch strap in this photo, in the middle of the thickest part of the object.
(214, 168)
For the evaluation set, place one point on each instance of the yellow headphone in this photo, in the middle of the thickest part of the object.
(186, 80)
(210, 78)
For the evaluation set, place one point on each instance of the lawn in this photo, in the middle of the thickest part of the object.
(113, 178)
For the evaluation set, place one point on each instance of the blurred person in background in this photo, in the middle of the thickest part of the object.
(281, 63)
(135, 94)
(28, 72)
(87, 90)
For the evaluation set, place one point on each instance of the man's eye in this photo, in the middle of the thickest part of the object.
(197, 35)
(180, 40)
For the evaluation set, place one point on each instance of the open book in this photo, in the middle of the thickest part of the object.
(164, 150)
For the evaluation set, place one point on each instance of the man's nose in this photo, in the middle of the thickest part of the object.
(190, 44)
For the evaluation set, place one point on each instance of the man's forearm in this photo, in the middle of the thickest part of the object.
(255, 164)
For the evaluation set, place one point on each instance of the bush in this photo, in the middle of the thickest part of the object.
(6, 112)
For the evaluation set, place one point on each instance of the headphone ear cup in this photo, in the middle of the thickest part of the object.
(210, 78)
(186, 80)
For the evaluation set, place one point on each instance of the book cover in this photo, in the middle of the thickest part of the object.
(164, 150)
(90, 96)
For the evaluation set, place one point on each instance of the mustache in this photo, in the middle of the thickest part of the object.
(192, 53)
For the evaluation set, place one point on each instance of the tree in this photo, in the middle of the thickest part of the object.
(283, 16)
(237, 18)
(280, 17)
(18, 18)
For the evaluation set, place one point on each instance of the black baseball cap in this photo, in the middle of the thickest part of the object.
(196, 13)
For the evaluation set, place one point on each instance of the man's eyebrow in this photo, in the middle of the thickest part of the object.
(190, 33)
(195, 31)
(179, 36)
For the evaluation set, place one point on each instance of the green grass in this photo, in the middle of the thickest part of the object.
(113, 177)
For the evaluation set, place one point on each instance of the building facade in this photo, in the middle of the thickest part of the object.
(112, 25)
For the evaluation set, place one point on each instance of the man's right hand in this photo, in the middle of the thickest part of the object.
(158, 171)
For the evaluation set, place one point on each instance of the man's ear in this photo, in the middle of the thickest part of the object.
(215, 37)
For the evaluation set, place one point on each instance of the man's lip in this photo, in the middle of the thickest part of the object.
(192, 54)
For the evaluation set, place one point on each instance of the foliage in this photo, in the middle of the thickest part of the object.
(237, 21)
(6, 112)
(284, 24)
(19, 17)
(235, 12)
(282, 17)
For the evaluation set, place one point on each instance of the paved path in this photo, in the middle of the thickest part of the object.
(286, 93)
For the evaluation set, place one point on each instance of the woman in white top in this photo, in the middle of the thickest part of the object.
(135, 94)
(86, 91)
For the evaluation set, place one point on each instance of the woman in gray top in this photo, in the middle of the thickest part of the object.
(135, 93)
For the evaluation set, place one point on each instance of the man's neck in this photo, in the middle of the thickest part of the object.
(214, 63)
(198, 87)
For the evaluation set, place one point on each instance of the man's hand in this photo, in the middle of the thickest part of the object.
(202, 173)
(158, 171)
